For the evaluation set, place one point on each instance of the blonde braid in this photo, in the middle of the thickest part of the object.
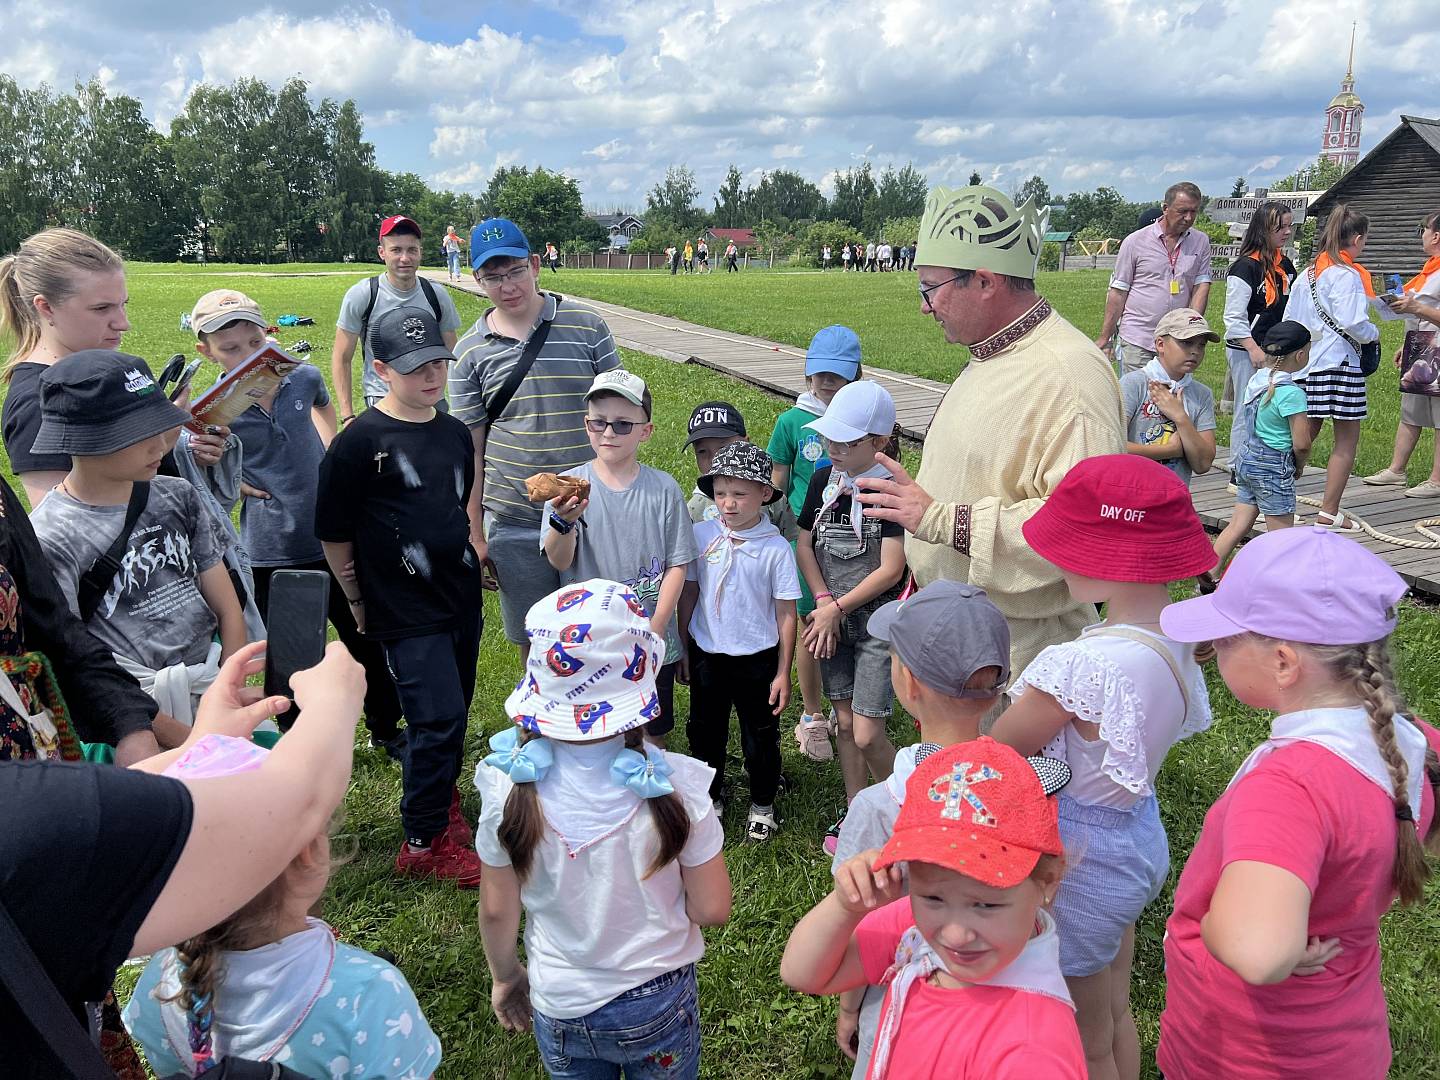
(1367, 668)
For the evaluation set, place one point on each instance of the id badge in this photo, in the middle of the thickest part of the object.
(1174, 287)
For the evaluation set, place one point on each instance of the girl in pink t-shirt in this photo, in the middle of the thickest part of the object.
(971, 960)
(1111, 703)
(1272, 955)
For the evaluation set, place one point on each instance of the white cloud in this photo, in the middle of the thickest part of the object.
(456, 141)
(607, 150)
(938, 133)
(787, 150)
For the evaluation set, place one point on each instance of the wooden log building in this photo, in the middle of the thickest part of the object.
(1395, 185)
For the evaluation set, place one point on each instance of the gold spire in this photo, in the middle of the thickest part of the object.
(1350, 67)
(1347, 98)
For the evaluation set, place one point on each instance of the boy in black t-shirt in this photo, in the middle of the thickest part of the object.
(391, 500)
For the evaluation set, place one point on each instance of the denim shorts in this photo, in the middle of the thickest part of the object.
(651, 1032)
(526, 576)
(860, 672)
(1116, 864)
(1265, 477)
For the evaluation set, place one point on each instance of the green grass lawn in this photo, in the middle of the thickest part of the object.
(754, 1027)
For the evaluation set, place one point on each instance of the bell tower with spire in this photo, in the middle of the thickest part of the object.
(1343, 116)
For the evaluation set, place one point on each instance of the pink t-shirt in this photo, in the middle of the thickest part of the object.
(1307, 811)
(990, 1032)
(1145, 268)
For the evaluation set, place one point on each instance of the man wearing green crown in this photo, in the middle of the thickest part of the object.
(1036, 397)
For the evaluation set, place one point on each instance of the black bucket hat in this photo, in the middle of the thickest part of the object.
(407, 338)
(98, 401)
(743, 461)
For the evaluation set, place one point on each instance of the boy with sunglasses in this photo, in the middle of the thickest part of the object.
(634, 527)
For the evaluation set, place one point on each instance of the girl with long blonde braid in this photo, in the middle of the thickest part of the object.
(1272, 954)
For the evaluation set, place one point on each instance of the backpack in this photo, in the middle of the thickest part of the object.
(431, 296)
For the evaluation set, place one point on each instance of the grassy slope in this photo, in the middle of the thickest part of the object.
(753, 1026)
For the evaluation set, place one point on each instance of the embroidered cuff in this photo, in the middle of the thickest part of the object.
(961, 538)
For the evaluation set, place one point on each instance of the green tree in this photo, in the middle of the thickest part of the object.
(854, 191)
(1237, 189)
(900, 193)
(546, 205)
(298, 131)
(975, 180)
(354, 187)
(673, 199)
(1318, 176)
(835, 233)
(730, 201)
(784, 197)
(901, 230)
(1035, 188)
(490, 200)
(1104, 211)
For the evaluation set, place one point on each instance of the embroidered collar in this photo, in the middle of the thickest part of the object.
(1003, 339)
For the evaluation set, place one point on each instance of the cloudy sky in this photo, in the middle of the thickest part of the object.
(1084, 92)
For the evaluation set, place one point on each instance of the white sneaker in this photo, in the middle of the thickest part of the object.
(813, 735)
(761, 824)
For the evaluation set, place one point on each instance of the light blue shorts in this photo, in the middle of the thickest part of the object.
(1117, 863)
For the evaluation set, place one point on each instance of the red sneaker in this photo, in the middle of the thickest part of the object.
(442, 860)
(459, 829)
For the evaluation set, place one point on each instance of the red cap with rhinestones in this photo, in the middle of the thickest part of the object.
(980, 809)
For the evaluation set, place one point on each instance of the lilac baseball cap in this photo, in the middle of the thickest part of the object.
(1301, 584)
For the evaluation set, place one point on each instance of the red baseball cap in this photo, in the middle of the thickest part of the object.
(395, 221)
(980, 809)
(1120, 517)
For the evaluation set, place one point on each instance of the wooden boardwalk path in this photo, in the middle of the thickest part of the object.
(780, 369)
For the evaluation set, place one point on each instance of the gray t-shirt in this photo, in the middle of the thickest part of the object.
(1145, 423)
(282, 457)
(153, 613)
(352, 313)
(633, 537)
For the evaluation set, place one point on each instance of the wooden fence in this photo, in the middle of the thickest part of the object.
(641, 260)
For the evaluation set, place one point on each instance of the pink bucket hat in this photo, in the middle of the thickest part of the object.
(593, 659)
(1301, 584)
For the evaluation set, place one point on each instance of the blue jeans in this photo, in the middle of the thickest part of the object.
(649, 1033)
(453, 258)
(435, 677)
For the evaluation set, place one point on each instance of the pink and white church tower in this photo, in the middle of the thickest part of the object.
(1343, 116)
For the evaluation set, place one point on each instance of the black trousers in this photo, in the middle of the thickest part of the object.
(382, 703)
(719, 683)
(435, 674)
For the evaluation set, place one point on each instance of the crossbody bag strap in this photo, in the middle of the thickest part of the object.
(39, 1000)
(497, 406)
(96, 581)
(1142, 638)
(1325, 316)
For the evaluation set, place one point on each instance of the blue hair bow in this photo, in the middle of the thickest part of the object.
(524, 764)
(644, 774)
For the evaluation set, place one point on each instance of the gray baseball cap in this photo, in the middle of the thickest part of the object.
(944, 633)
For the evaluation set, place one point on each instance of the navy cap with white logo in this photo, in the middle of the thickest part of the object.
(98, 401)
(715, 420)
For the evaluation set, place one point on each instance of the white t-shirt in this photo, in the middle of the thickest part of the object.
(595, 926)
(743, 622)
(1131, 693)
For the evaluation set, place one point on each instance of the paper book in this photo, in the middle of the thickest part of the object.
(252, 381)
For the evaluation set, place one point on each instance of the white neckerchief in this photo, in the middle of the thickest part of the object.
(262, 997)
(1259, 383)
(727, 542)
(1156, 370)
(1036, 971)
(839, 484)
(579, 799)
(810, 403)
(1346, 734)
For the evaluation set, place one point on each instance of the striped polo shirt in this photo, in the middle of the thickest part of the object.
(543, 428)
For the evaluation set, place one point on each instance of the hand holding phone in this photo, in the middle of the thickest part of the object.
(296, 618)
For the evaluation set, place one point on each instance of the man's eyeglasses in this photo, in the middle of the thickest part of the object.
(928, 291)
(512, 277)
(621, 427)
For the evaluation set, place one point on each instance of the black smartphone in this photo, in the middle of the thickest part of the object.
(297, 613)
(186, 377)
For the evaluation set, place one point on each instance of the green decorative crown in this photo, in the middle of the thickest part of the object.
(979, 228)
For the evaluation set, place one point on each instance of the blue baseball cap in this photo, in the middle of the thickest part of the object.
(835, 349)
(495, 237)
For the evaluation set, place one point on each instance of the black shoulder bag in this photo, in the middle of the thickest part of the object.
(96, 581)
(495, 408)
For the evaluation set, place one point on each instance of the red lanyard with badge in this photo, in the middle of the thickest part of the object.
(1174, 259)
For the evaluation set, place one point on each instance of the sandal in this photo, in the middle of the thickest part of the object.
(1340, 522)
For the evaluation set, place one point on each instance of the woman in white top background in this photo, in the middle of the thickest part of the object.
(1417, 410)
(1332, 298)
